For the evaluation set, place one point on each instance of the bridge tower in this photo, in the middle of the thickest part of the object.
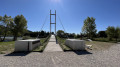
(51, 22)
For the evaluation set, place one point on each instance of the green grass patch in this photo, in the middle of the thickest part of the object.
(44, 42)
(106, 40)
(7, 47)
(61, 42)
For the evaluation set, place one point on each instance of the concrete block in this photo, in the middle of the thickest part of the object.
(75, 44)
(26, 45)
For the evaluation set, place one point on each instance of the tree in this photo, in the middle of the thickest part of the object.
(102, 34)
(42, 33)
(117, 33)
(19, 26)
(39, 34)
(0, 18)
(89, 27)
(1, 31)
(60, 33)
(6, 23)
(81, 36)
(113, 32)
(0, 28)
(78, 35)
(110, 32)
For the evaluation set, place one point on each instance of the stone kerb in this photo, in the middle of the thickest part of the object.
(75, 44)
(26, 45)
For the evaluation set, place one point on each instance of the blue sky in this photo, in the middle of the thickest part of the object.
(71, 12)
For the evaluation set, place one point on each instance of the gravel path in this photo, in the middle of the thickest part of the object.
(106, 58)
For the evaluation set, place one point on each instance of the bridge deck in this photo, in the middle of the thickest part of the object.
(52, 46)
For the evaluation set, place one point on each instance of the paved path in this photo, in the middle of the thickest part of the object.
(52, 46)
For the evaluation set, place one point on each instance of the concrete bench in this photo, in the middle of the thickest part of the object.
(75, 44)
(26, 45)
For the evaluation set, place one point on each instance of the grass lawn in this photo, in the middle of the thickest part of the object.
(106, 40)
(44, 42)
(6, 47)
(61, 41)
(100, 45)
(96, 44)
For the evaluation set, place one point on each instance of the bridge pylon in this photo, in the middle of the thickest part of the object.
(52, 22)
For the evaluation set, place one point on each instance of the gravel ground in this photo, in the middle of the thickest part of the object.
(106, 58)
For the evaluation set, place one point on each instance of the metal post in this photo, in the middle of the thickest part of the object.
(55, 21)
(50, 21)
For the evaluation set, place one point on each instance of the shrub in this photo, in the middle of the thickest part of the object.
(26, 37)
(101, 39)
(113, 32)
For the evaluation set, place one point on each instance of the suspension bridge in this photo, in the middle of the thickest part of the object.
(52, 44)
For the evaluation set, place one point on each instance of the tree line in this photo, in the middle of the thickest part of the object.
(17, 26)
(39, 34)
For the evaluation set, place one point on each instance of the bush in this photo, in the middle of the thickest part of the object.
(102, 34)
(106, 40)
(101, 39)
(26, 37)
(113, 32)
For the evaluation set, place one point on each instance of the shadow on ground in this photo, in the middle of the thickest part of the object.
(85, 52)
(17, 54)
(82, 52)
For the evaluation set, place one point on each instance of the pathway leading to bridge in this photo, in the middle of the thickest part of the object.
(52, 46)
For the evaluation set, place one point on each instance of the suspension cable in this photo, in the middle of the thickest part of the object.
(62, 26)
(42, 25)
(61, 23)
